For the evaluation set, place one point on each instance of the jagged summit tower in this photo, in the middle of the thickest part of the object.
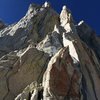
(46, 4)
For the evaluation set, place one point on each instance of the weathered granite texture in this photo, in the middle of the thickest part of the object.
(47, 56)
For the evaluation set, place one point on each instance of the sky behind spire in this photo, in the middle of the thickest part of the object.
(88, 10)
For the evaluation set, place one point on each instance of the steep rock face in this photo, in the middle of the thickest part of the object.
(89, 37)
(31, 28)
(87, 61)
(52, 42)
(57, 57)
(62, 78)
(70, 34)
(16, 72)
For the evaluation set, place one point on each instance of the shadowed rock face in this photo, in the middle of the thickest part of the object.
(89, 37)
(62, 78)
(45, 56)
(2, 25)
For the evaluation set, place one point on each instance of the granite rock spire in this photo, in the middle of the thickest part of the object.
(47, 56)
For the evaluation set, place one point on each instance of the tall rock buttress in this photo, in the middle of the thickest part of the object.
(47, 56)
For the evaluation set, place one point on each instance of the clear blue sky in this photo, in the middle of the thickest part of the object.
(88, 10)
